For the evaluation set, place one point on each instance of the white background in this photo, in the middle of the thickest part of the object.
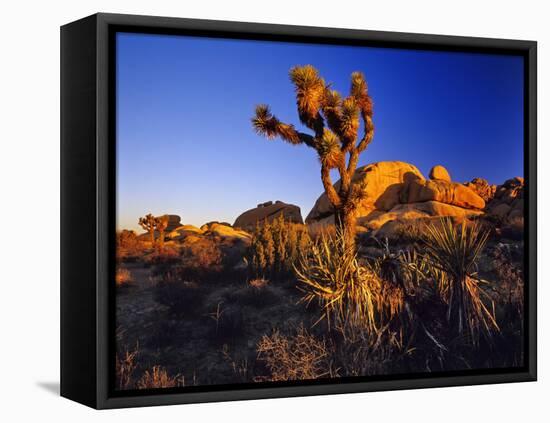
(29, 242)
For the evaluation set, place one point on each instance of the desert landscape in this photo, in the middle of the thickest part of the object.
(392, 271)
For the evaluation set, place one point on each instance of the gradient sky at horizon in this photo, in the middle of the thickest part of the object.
(185, 144)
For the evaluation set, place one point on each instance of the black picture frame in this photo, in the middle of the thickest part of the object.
(88, 200)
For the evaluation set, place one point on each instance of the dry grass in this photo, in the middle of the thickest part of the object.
(125, 365)
(355, 299)
(168, 255)
(203, 254)
(454, 250)
(298, 357)
(123, 277)
(158, 377)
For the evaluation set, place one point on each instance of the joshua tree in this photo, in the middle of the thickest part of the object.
(148, 223)
(335, 123)
(161, 223)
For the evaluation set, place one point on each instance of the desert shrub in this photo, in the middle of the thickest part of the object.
(123, 277)
(125, 365)
(203, 254)
(128, 246)
(453, 251)
(183, 297)
(514, 228)
(256, 293)
(410, 230)
(354, 298)
(297, 357)
(169, 255)
(276, 247)
(317, 231)
(158, 377)
(511, 283)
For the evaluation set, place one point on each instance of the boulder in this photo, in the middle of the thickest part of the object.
(453, 193)
(174, 221)
(410, 228)
(439, 173)
(482, 188)
(412, 211)
(383, 182)
(183, 231)
(225, 231)
(508, 203)
(250, 218)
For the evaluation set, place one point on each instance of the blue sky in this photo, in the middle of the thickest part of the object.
(185, 144)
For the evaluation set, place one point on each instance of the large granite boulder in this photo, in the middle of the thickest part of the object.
(438, 172)
(223, 230)
(397, 191)
(415, 211)
(482, 188)
(420, 190)
(174, 221)
(508, 203)
(267, 212)
(383, 182)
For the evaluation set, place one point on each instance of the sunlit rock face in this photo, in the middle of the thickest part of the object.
(267, 212)
(397, 191)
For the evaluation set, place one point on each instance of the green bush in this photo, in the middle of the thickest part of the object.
(276, 247)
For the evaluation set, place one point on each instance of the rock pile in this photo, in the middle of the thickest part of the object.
(482, 188)
(268, 211)
(507, 203)
(397, 192)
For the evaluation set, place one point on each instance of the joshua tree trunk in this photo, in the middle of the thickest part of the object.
(148, 222)
(161, 223)
(345, 222)
(335, 124)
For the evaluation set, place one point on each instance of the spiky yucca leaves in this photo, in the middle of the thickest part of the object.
(335, 122)
(455, 250)
(310, 89)
(329, 151)
(354, 298)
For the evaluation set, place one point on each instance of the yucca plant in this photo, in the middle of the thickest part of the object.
(454, 251)
(335, 123)
(349, 293)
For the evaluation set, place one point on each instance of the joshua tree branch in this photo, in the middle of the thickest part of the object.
(332, 195)
(268, 125)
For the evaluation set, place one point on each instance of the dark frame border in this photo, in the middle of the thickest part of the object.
(106, 26)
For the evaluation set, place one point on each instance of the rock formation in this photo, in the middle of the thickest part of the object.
(174, 221)
(453, 193)
(438, 172)
(268, 211)
(383, 182)
(397, 192)
(482, 188)
(507, 203)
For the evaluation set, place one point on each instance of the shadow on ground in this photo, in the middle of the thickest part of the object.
(51, 387)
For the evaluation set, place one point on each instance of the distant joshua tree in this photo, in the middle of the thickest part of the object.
(335, 123)
(151, 223)
(161, 224)
(148, 223)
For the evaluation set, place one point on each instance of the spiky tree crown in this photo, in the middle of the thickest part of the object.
(335, 122)
(161, 223)
(147, 222)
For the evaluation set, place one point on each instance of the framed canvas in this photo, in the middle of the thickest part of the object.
(257, 211)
